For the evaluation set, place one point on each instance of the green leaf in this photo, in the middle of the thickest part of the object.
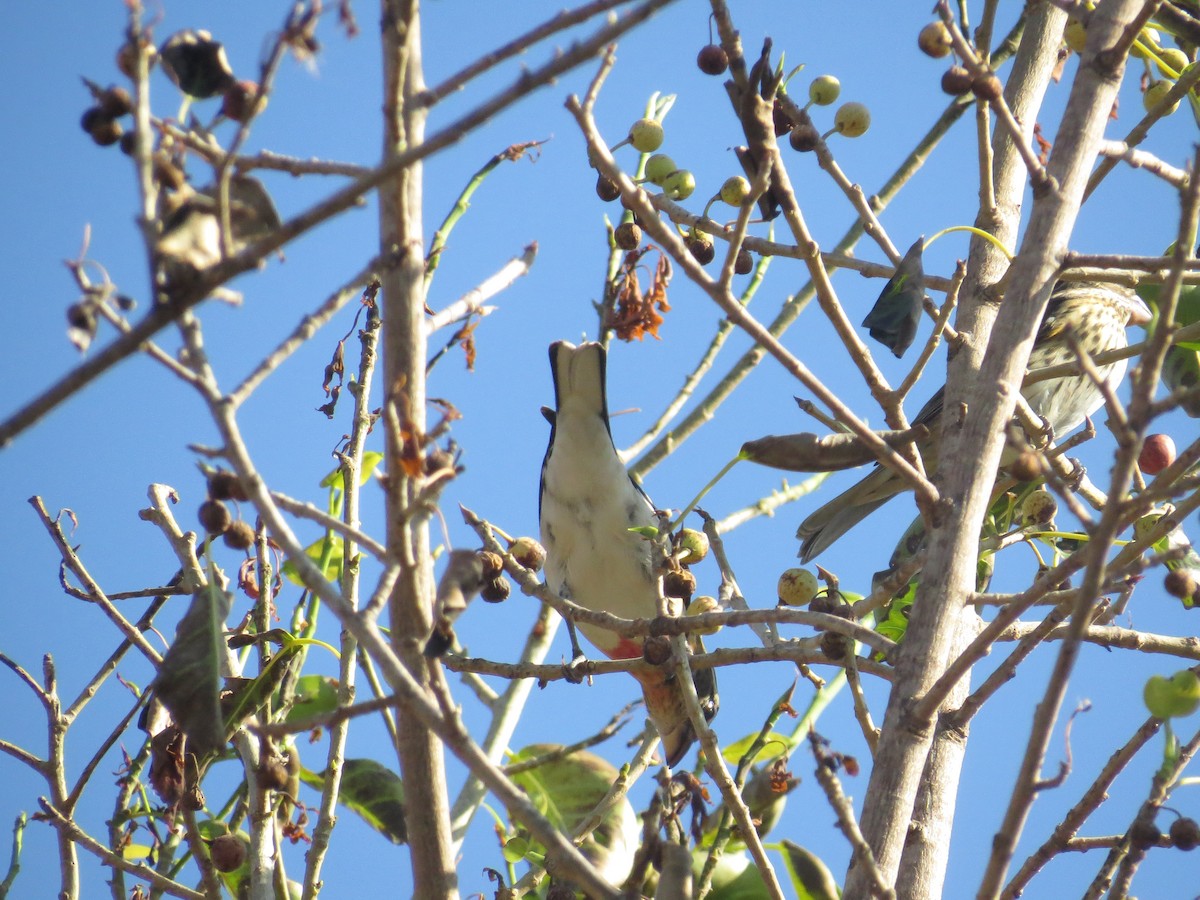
(315, 695)
(567, 790)
(189, 680)
(374, 792)
(317, 552)
(370, 462)
(777, 744)
(811, 878)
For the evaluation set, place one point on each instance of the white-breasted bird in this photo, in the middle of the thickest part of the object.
(588, 505)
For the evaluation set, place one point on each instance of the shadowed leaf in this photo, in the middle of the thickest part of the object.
(374, 792)
(189, 681)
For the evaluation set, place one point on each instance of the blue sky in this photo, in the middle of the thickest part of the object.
(98, 453)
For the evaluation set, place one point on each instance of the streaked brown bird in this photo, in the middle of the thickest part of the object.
(1096, 314)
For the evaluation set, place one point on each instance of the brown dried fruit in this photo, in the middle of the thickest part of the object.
(496, 590)
(744, 264)
(627, 236)
(956, 81)
(712, 60)
(606, 189)
(225, 485)
(702, 249)
(214, 516)
(680, 584)
(492, 564)
(239, 535)
(228, 852)
(528, 552)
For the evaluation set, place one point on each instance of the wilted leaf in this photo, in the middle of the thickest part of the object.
(893, 319)
(374, 792)
(189, 680)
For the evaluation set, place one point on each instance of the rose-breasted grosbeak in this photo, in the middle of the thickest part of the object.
(588, 505)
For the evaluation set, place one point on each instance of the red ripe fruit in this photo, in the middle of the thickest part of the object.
(1157, 453)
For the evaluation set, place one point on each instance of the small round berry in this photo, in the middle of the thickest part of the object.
(528, 552)
(852, 119)
(1180, 583)
(1027, 466)
(1171, 61)
(987, 87)
(225, 485)
(681, 584)
(934, 40)
(1075, 35)
(273, 774)
(744, 264)
(1155, 94)
(606, 189)
(496, 590)
(712, 59)
(658, 167)
(646, 135)
(692, 546)
(1168, 698)
(679, 185)
(701, 248)
(491, 564)
(956, 81)
(1158, 452)
(1038, 508)
(797, 587)
(239, 535)
(228, 852)
(834, 645)
(804, 138)
(824, 90)
(128, 143)
(735, 190)
(116, 102)
(95, 121)
(1184, 834)
(214, 516)
(127, 58)
(627, 236)
(699, 607)
(656, 649)
(239, 101)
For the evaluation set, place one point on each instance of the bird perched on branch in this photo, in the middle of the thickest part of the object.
(1095, 314)
(588, 505)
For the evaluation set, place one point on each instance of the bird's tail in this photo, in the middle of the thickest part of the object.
(579, 377)
(842, 513)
